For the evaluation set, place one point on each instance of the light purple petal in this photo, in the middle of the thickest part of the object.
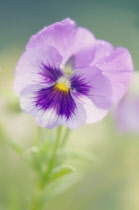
(32, 66)
(92, 83)
(68, 39)
(83, 48)
(118, 67)
(103, 50)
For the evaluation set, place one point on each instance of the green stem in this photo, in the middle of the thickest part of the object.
(52, 161)
(37, 201)
(65, 137)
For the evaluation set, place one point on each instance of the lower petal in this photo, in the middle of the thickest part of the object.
(93, 112)
(78, 118)
(52, 109)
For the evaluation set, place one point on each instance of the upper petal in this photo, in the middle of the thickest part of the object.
(40, 64)
(102, 50)
(118, 67)
(83, 47)
(68, 39)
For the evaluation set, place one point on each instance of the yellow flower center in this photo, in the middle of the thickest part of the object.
(62, 87)
(63, 84)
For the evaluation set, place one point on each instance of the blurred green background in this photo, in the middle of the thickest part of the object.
(111, 181)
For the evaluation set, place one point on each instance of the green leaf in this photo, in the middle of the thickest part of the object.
(61, 171)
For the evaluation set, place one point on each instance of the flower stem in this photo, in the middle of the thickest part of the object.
(52, 161)
(65, 137)
(44, 180)
(36, 202)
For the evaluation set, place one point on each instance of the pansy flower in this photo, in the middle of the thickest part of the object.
(66, 76)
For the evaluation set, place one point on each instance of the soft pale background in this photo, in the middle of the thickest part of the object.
(111, 181)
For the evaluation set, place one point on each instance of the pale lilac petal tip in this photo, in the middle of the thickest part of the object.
(53, 34)
(93, 112)
(102, 50)
(118, 67)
